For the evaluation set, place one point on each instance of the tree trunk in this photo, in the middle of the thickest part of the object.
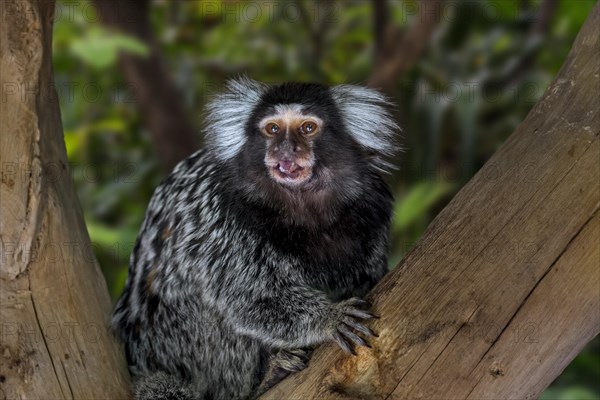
(502, 291)
(54, 338)
(161, 103)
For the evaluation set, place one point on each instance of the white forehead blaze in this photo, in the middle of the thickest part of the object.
(288, 115)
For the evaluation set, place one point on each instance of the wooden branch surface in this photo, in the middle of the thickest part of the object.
(54, 304)
(503, 290)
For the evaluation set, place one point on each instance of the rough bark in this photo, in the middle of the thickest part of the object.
(502, 291)
(54, 304)
(161, 103)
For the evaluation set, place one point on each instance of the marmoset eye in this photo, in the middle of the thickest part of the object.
(308, 127)
(272, 128)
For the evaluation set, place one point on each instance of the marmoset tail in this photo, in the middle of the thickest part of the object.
(258, 247)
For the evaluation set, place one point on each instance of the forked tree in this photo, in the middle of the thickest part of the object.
(494, 301)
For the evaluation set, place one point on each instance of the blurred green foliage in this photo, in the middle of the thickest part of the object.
(457, 104)
(100, 47)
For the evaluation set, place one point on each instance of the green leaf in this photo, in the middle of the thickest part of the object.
(418, 201)
(113, 124)
(100, 47)
(106, 236)
(569, 393)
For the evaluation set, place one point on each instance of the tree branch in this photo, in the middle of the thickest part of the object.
(537, 31)
(381, 24)
(173, 135)
(391, 59)
(54, 304)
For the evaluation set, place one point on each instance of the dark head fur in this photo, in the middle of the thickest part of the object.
(356, 136)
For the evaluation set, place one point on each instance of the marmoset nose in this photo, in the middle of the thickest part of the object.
(287, 148)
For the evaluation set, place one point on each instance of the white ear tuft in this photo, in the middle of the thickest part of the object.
(366, 114)
(227, 116)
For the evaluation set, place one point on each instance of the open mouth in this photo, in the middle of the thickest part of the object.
(289, 172)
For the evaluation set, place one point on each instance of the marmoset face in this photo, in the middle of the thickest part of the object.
(301, 143)
(290, 135)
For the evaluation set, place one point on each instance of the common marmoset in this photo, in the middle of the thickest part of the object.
(259, 246)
